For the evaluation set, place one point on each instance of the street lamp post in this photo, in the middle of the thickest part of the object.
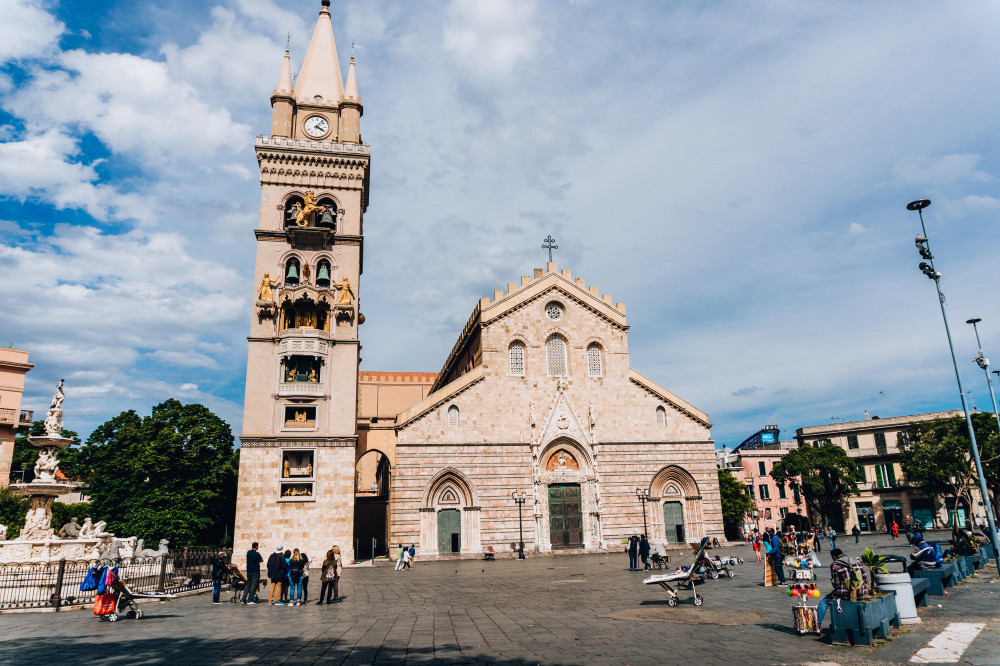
(928, 269)
(643, 496)
(984, 363)
(519, 500)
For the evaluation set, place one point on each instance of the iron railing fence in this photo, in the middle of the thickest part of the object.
(28, 585)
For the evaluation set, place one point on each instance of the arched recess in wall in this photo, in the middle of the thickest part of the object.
(679, 518)
(449, 518)
(372, 484)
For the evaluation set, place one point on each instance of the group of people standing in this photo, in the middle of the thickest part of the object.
(288, 573)
(638, 547)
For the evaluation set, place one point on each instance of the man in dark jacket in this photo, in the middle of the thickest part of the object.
(923, 555)
(219, 570)
(633, 553)
(253, 574)
(277, 573)
(644, 552)
(777, 559)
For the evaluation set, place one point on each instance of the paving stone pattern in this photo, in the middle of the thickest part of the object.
(552, 610)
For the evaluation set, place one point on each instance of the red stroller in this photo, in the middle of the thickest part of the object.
(119, 601)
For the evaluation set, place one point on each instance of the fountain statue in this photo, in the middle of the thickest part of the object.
(38, 540)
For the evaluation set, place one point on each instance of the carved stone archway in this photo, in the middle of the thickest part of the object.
(674, 484)
(566, 462)
(450, 490)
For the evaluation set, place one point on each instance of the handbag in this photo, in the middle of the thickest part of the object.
(90, 580)
(104, 604)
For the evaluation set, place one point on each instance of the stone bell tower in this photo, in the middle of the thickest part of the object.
(296, 482)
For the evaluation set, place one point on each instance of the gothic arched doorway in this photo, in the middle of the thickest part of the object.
(449, 519)
(371, 505)
(681, 503)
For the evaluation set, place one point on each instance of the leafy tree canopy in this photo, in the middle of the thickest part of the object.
(170, 475)
(736, 501)
(12, 512)
(823, 473)
(938, 454)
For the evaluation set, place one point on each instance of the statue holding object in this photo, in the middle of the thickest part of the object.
(264, 294)
(346, 293)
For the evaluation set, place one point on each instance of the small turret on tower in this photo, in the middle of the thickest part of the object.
(351, 109)
(282, 103)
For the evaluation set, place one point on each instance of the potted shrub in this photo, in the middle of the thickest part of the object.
(876, 565)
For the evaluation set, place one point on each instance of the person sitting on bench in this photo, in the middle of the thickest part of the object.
(923, 555)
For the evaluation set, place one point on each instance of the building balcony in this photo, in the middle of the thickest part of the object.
(27, 417)
(309, 389)
(9, 417)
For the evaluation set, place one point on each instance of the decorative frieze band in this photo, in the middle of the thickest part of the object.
(343, 442)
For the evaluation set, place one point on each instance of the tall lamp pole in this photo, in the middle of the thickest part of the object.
(519, 500)
(984, 363)
(923, 246)
(643, 496)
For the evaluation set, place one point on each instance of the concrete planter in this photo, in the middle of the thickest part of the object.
(903, 602)
(859, 622)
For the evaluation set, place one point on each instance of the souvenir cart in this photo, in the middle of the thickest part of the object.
(799, 559)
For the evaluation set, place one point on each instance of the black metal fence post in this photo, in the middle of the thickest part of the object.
(57, 597)
(161, 582)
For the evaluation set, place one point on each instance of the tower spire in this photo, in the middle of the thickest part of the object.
(320, 75)
(351, 87)
(285, 80)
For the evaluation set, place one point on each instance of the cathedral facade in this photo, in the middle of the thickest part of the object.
(535, 430)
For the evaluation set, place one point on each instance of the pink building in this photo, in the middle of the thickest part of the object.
(751, 462)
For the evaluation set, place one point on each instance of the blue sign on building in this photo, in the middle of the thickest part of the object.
(767, 437)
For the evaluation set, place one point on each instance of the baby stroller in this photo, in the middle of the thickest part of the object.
(685, 578)
(238, 583)
(713, 567)
(119, 601)
(658, 561)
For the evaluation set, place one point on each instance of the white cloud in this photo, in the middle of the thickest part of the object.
(490, 38)
(856, 228)
(940, 170)
(27, 30)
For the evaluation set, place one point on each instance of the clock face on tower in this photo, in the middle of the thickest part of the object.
(316, 126)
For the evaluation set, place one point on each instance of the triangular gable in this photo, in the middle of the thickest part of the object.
(562, 421)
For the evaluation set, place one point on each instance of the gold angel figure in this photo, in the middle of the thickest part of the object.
(264, 290)
(346, 293)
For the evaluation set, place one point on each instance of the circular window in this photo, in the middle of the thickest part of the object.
(554, 311)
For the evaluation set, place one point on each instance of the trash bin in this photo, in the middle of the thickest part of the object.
(900, 584)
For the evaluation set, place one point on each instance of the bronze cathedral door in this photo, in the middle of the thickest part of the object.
(565, 516)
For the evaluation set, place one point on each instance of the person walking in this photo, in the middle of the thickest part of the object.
(633, 553)
(814, 540)
(644, 553)
(413, 555)
(219, 570)
(895, 530)
(399, 558)
(831, 534)
(277, 571)
(254, 559)
(756, 546)
(406, 558)
(777, 561)
(295, 567)
(856, 531)
(305, 579)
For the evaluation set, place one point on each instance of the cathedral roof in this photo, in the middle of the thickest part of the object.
(320, 74)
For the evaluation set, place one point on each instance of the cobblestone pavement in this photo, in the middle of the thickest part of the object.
(554, 610)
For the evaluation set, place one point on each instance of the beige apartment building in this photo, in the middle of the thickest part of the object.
(13, 367)
(537, 397)
(885, 494)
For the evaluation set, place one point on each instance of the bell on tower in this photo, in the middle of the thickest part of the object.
(323, 274)
(292, 272)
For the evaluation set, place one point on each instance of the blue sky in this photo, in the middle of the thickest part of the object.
(736, 173)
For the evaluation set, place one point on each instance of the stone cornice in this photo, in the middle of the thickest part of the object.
(251, 442)
(276, 236)
(666, 396)
(441, 396)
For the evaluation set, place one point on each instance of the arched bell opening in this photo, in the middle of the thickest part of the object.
(372, 477)
(293, 271)
(301, 369)
(293, 205)
(324, 274)
(328, 218)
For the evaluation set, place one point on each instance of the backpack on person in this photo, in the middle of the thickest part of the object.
(938, 555)
(331, 572)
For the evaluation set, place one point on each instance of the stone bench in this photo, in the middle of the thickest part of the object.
(938, 579)
(920, 587)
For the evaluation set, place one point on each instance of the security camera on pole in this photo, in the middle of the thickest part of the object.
(928, 269)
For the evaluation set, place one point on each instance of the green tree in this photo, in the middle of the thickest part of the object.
(938, 455)
(823, 473)
(170, 475)
(12, 512)
(25, 454)
(736, 502)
